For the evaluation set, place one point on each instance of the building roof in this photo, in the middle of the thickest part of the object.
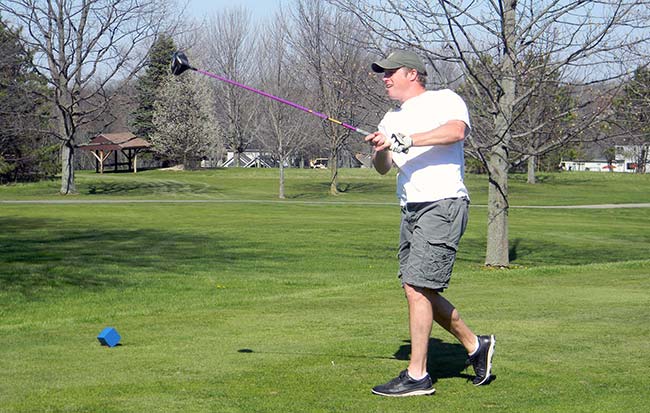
(114, 142)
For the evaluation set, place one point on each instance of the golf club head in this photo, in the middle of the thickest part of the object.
(180, 63)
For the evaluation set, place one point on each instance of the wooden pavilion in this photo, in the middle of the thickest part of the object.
(102, 146)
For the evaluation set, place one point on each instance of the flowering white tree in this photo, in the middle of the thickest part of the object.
(186, 128)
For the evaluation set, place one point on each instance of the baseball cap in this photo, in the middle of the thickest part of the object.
(400, 58)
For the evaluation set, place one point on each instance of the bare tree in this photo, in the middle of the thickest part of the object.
(284, 130)
(587, 42)
(553, 107)
(545, 121)
(633, 118)
(333, 66)
(230, 43)
(81, 47)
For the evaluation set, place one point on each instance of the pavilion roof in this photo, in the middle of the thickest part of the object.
(115, 141)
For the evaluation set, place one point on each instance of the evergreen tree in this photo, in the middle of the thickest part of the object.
(149, 84)
(26, 153)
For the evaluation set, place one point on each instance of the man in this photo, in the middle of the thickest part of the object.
(424, 140)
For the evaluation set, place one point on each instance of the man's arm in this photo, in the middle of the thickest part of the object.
(446, 134)
(451, 132)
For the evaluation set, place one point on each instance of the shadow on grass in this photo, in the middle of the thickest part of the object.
(445, 360)
(320, 189)
(512, 251)
(141, 187)
(306, 353)
(541, 251)
(41, 255)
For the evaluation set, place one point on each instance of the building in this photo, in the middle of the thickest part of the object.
(248, 159)
(628, 158)
(125, 144)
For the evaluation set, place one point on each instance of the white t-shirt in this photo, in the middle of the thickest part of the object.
(428, 173)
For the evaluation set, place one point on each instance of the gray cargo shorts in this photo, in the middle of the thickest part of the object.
(429, 237)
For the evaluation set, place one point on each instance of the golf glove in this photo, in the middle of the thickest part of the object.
(400, 143)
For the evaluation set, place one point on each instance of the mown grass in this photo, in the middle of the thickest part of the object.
(362, 185)
(295, 307)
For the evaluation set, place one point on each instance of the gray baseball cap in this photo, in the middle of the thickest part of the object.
(400, 58)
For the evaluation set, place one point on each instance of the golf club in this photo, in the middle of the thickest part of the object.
(180, 64)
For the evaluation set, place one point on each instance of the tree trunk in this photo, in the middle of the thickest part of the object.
(281, 191)
(334, 177)
(68, 186)
(643, 159)
(497, 253)
(532, 165)
(66, 129)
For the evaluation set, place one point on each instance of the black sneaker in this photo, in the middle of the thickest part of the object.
(403, 385)
(482, 359)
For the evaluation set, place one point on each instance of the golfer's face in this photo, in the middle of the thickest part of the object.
(396, 83)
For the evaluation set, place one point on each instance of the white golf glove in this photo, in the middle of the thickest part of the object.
(400, 143)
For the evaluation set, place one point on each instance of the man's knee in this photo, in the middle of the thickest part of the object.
(416, 293)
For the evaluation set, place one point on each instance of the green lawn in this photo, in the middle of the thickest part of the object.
(293, 306)
(356, 185)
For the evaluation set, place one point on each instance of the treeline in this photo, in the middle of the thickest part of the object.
(542, 81)
(313, 52)
(27, 152)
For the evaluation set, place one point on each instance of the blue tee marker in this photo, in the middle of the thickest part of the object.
(109, 337)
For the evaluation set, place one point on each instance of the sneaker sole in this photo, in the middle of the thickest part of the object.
(488, 373)
(427, 392)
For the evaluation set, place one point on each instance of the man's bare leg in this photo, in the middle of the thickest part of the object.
(420, 322)
(425, 307)
(446, 315)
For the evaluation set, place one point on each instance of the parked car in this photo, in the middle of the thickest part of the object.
(318, 163)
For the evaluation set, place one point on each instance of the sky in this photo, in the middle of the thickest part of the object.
(259, 8)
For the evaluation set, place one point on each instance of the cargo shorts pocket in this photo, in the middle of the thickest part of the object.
(439, 264)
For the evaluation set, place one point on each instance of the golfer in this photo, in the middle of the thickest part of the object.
(423, 138)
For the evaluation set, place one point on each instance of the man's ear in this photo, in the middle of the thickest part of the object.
(412, 74)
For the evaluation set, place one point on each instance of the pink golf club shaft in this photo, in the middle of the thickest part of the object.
(286, 102)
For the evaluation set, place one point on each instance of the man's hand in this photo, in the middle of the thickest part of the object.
(400, 143)
(381, 157)
(378, 141)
